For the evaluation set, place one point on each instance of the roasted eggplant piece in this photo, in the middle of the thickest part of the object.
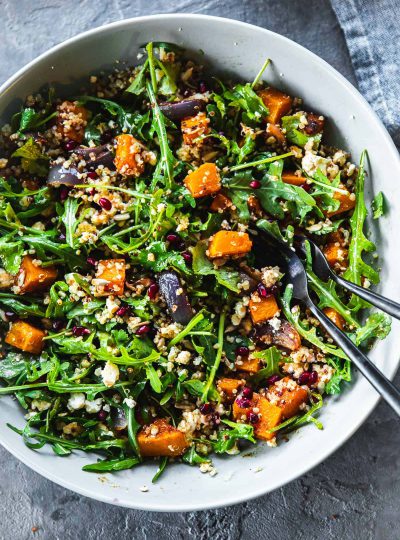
(175, 297)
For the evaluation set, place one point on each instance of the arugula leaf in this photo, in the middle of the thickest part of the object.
(378, 205)
(23, 306)
(108, 465)
(378, 325)
(341, 374)
(243, 97)
(70, 220)
(294, 135)
(163, 258)
(202, 266)
(306, 418)
(161, 468)
(154, 379)
(138, 85)
(11, 253)
(227, 438)
(359, 243)
(271, 358)
(28, 119)
(193, 458)
(32, 158)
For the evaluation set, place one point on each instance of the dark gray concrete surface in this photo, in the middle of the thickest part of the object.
(355, 493)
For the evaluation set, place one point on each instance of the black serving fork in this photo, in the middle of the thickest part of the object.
(269, 249)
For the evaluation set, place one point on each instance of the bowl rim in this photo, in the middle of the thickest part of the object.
(230, 498)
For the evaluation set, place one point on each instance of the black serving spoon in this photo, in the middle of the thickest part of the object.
(322, 269)
(270, 250)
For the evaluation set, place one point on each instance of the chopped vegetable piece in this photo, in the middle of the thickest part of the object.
(230, 387)
(289, 396)
(110, 277)
(275, 131)
(33, 277)
(261, 309)
(229, 244)
(269, 415)
(220, 203)
(129, 156)
(203, 181)
(347, 202)
(71, 121)
(293, 179)
(278, 104)
(194, 127)
(334, 317)
(285, 336)
(161, 439)
(336, 255)
(248, 365)
(26, 337)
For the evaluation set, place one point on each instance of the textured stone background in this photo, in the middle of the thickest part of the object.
(355, 493)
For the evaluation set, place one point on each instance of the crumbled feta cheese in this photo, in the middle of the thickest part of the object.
(93, 407)
(131, 403)
(76, 401)
(110, 374)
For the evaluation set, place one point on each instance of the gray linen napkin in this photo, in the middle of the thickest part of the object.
(372, 31)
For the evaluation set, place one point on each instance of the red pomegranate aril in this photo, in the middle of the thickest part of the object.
(247, 392)
(313, 377)
(79, 331)
(308, 378)
(123, 310)
(306, 187)
(253, 418)
(105, 203)
(173, 238)
(242, 351)
(262, 290)
(206, 408)
(102, 415)
(242, 402)
(272, 379)
(143, 330)
(152, 291)
(70, 145)
(91, 261)
(255, 184)
(64, 190)
(187, 256)
(92, 175)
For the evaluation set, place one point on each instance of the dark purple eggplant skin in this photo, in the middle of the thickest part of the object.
(178, 304)
(182, 109)
(98, 155)
(252, 283)
(118, 419)
(58, 176)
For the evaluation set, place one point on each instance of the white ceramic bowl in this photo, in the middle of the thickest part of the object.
(240, 49)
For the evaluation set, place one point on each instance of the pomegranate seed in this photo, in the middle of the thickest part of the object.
(313, 377)
(80, 331)
(255, 184)
(247, 392)
(206, 408)
(11, 316)
(92, 192)
(173, 238)
(253, 418)
(262, 290)
(242, 402)
(57, 325)
(64, 190)
(92, 175)
(202, 87)
(102, 415)
(152, 291)
(143, 330)
(308, 378)
(70, 145)
(242, 351)
(187, 256)
(123, 310)
(306, 187)
(105, 203)
(272, 379)
(91, 261)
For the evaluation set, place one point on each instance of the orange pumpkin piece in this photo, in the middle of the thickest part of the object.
(275, 131)
(290, 396)
(254, 206)
(229, 387)
(220, 203)
(129, 158)
(347, 202)
(71, 121)
(335, 317)
(203, 181)
(161, 439)
(33, 278)
(26, 337)
(261, 309)
(110, 277)
(228, 244)
(278, 104)
(293, 179)
(194, 127)
(248, 365)
(335, 255)
(270, 416)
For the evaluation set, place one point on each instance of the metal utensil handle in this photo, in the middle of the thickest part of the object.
(385, 304)
(378, 380)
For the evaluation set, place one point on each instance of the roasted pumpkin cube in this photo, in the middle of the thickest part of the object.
(130, 155)
(194, 127)
(230, 387)
(26, 337)
(335, 317)
(248, 365)
(229, 244)
(71, 121)
(293, 179)
(220, 203)
(261, 309)
(110, 277)
(336, 255)
(347, 202)
(275, 131)
(203, 181)
(254, 206)
(285, 336)
(270, 415)
(34, 278)
(161, 439)
(278, 104)
(290, 396)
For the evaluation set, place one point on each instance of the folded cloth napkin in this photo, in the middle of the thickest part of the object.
(372, 31)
